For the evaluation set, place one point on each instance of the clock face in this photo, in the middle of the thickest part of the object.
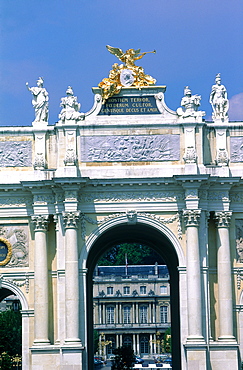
(126, 77)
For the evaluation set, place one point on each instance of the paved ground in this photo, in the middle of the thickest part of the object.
(108, 366)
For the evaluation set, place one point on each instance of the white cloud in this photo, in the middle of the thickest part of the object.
(236, 107)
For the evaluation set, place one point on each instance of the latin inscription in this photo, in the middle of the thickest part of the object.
(15, 154)
(130, 148)
(129, 105)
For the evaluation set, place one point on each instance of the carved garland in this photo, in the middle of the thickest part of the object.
(17, 283)
(131, 216)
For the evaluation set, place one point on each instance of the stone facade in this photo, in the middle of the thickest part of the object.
(130, 170)
(132, 307)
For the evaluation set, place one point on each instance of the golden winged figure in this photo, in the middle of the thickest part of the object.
(125, 75)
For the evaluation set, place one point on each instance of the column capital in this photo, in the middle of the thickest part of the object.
(222, 218)
(70, 219)
(191, 217)
(40, 222)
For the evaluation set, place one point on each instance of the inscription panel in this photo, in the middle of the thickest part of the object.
(15, 154)
(236, 149)
(137, 148)
(129, 105)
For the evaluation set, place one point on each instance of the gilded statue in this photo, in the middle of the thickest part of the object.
(125, 75)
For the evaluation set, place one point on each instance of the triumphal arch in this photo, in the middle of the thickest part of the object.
(130, 169)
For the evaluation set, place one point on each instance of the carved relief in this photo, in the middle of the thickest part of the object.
(222, 158)
(130, 148)
(15, 201)
(40, 222)
(70, 219)
(190, 155)
(18, 238)
(223, 218)
(15, 153)
(239, 249)
(153, 196)
(39, 162)
(70, 157)
(191, 217)
(236, 149)
(239, 240)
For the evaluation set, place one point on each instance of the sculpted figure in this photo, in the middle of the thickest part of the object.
(218, 99)
(40, 100)
(190, 104)
(70, 107)
(125, 75)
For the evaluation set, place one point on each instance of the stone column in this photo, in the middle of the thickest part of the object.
(224, 276)
(71, 277)
(194, 296)
(41, 280)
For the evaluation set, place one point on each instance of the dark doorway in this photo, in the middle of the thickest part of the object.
(152, 237)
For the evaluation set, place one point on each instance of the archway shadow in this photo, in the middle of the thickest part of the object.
(155, 239)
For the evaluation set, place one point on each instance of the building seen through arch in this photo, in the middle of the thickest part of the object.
(128, 169)
(132, 307)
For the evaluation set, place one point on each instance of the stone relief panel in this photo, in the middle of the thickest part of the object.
(236, 149)
(137, 148)
(15, 153)
(152, 196)
(15, 201)
(17, 235)
(239, 240)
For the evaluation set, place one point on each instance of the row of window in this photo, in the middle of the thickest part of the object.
(143, 289)
(143, 314)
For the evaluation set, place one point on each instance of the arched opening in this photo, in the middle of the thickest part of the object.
(10, 329)
(154, 238)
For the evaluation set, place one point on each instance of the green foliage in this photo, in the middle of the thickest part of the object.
(167, 340)
(5, 361)
(10, 333)
(124, 358)
(137, 254)
(96, 341)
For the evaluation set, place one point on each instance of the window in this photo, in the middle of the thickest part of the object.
(110, 315)
(109, 290)
(127, 341)
(127, 315)
(163, 314)
(111, 346)
(143, 289)
(163, 289)
(144, 345)
(143, 314)
(126, 290)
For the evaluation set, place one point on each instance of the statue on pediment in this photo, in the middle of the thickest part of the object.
(40, 100)
(218, 99)
(125, 75)
(70, 107)
(189, 105)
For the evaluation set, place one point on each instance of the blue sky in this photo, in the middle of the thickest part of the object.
(64, 42)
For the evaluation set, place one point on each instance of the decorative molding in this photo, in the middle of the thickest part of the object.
(15, 154)
(191, 217)
(223, 218)
(218, 195)
(70, 157)
(71, 219)
(239, 278)
(43, 199)
(151, 196)
(17, 236)
(40, 222)
(15, 201)
(18, 283)
(190, 155)
(222, 158)
(39, 162)
(136, 148)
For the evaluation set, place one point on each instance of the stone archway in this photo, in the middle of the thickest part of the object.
(159, 238)
(7, 287)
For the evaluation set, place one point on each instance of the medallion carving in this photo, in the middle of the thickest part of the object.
(137, 148)
(15, 153)
(16, 238)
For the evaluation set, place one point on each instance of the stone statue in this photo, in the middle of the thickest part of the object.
(71, 107)
(218, 99)
(40, 100)
(190, 104)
